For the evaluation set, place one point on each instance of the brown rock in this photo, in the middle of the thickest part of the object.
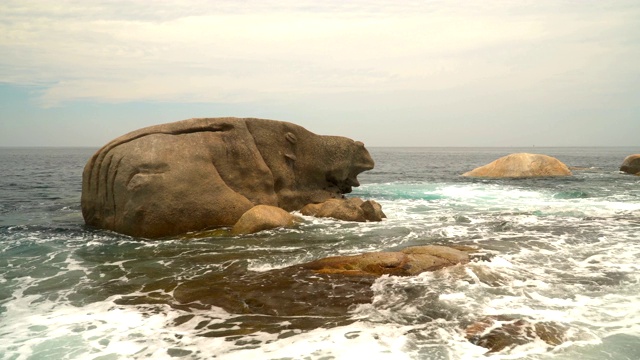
(372, 211)
(521, 165)
(263, 217)
(352, 209)
(287, 291)
(310, 209)
(317, 293)
(631, 164)
(196, 174)
(499, 332)
(410, 261)
(341, 209)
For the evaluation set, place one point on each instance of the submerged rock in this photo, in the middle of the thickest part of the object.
(291, 291)
(323, 290)
(631, 164)
(352, 209)
(196, 174)
(521, 165)
(497, 333)
(263, 217)
(409, 261)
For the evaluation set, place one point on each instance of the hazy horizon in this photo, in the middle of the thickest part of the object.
(391, 74)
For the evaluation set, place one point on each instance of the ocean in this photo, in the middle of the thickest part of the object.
(554, 250)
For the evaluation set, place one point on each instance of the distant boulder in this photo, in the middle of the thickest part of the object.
(197, 174)
(409, 261)
(263, 217)
(631, 164)
(521, 165)
(352, 209)
(317, 293)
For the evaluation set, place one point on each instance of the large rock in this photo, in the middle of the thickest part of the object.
(409, 261)
(263, 217)
(631, 164)
(521, 165)
(352, 209)
(200, 173)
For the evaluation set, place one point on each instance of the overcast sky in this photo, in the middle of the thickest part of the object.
(388, 73)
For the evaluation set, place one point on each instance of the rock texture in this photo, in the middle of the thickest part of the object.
(521, 165)
(263, 217)
(318, 293)
(503, 332)
(317, 299)
(200, 173)
(410, 261)
(631, 164)
(353, 209)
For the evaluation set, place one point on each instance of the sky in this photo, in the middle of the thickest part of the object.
(388, 73)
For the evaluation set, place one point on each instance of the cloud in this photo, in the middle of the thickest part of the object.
(229, 51)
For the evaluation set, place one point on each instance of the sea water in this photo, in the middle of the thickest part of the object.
(561, 250)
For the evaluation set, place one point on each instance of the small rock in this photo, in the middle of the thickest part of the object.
(263, 217)
(352, 209)
(410, 261)
(372, 211)
(631, 164)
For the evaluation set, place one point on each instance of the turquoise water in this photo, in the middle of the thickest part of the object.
(562, 250)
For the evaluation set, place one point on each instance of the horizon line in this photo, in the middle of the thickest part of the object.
(368, 146)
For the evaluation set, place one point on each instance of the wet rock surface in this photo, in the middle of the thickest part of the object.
(409, 261)
(322, 291)
(497, 333)
(292, 291)
(352, 209)
(263, 217)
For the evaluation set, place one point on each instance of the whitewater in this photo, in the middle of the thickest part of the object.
(550, 250)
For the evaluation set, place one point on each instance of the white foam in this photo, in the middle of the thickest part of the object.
(459, 296)
(584, 274)
(360, 340)
(99, 329)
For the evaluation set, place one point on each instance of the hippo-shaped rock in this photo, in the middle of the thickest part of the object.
(202, 173)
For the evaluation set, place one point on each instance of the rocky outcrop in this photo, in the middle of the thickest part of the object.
(631, 164)
(320, 292)
(263, 217)
(410, 261)
(200, 173)
(521, 165)
(352, 209)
